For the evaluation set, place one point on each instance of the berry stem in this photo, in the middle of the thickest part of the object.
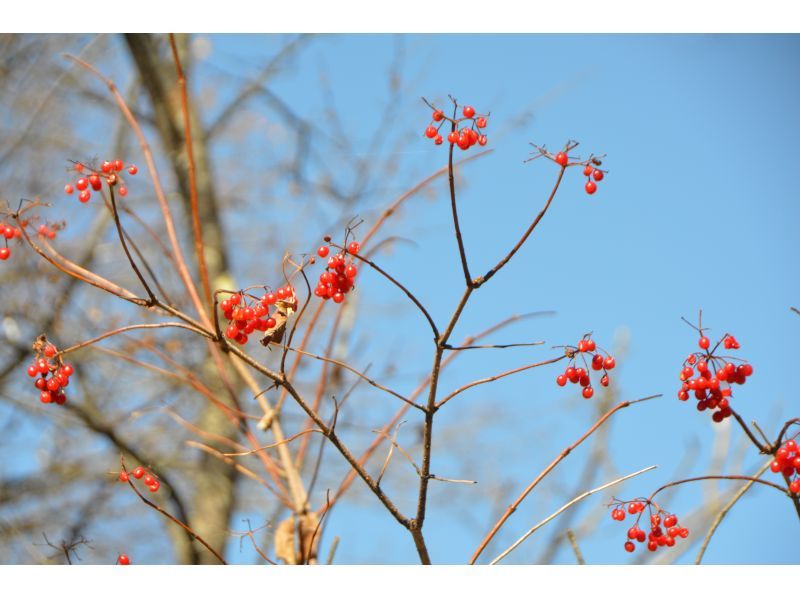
(482, 280)
(451, 178)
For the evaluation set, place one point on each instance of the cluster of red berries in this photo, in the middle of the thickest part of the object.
(787, 463)
(339, 276)
(248, 314)
(715, 377)
(123, 559)
(51, 373)
(49, 231)
(586, 348)
(8, 232)
(150, 480)
(591, 171)
(464, 137)
(664, 528)
(109, 171)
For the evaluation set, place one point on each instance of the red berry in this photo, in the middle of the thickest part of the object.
(609, 363)
(338, 297)
(469, 111)
(438, 139)
(123, 477)
(597, 175)
(353, 247)
(430, 132)
(138, 472)
(604, 380)
(452, 137)
(148, 480)
(154, 486)
(118, 165)
(323, 251)
(561, 380)
(123, 559)
(561, 159)
(84, 196)
(480, 122)
(588, 392)
(704, 342)
(82, 184)
(438, 115)
(587, 170)
(123, 191)
(591, 187)
(463, 142)
(132, 170)
(68, 189)
(350, 271)
(5, 253)
(630, 546)
(482, 140)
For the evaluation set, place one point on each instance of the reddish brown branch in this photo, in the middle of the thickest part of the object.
(563, 455)
(192, 534)
(187, 128)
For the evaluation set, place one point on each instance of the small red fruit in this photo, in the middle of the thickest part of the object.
(469, 111)
(591, 187)
(562, 159)
(123, 559)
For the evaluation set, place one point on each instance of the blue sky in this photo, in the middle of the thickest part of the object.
(699, 210)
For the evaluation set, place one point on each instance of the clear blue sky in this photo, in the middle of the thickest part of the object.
(700, 210)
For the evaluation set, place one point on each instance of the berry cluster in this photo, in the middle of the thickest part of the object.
(586, 348)
(787, 463)
(150, 480)
(664, 528)
(592, 174)
(712, 386)
(339, 276)
(248, 314)
(465, 137)
(108, 171)
(51, 373)
(49, 231)
(7, 232)
(123, 559)
(591, 171)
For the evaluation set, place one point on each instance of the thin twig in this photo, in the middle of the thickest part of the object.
(721, 515)
(187, 128)
(523, 368)
(563, 455)
(575, 548)
(574, 501)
